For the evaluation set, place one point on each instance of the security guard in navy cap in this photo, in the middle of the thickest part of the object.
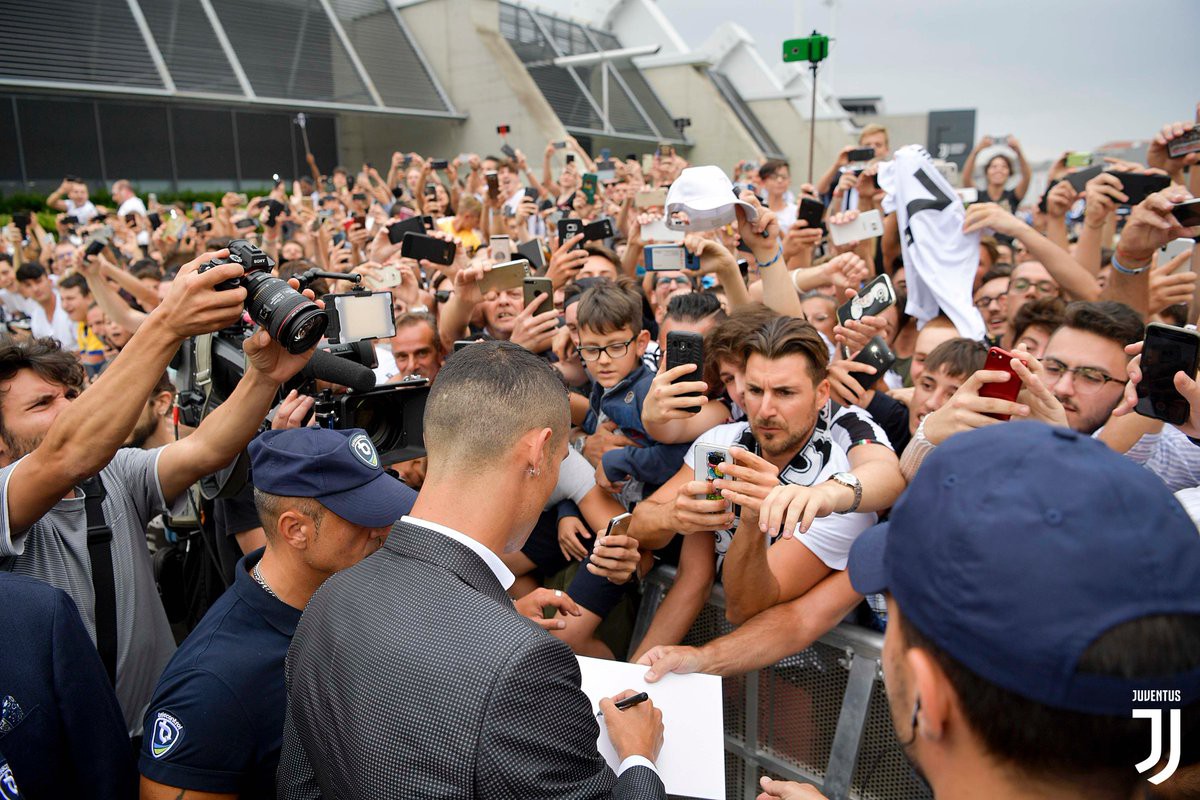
(215, 724)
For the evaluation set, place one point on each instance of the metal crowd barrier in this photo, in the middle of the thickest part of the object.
(819, 716)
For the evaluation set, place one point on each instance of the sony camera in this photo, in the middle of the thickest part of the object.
(289, 317)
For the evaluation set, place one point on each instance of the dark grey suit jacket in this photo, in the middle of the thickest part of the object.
(412, 676)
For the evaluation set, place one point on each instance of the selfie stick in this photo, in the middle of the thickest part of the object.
(814, 49)
(302, 121)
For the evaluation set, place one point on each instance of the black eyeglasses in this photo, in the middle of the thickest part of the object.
(1088, 380)
(614, 350)
(986, 300)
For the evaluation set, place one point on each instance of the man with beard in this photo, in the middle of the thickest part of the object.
(154, 428)
(74, 504)
(1029, 626)
(831, 466)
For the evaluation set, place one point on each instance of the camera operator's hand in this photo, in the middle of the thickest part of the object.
(194, 306)
(636, 731)
(565, 263)
(535, 332)
(292, 411)
(269, 358)
(665, 400)
(615, 558)
(533, 604)
(1158, 156)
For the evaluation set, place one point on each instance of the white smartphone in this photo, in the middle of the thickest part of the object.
(706, 457)
(1172, 249)
(866, 225)
(658, 232)
(500, 248)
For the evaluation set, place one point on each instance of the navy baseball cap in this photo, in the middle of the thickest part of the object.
(338, 468)
(1018, 545)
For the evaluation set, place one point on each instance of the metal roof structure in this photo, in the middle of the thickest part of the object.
(338, 55)
(576, 92)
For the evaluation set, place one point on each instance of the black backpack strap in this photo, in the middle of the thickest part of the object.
(99, 542)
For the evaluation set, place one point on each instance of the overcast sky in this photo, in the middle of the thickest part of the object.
(1057, 74)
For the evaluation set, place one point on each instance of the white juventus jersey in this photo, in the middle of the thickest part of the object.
(940, 260)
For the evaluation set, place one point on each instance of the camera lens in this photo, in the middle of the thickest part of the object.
(288, 316)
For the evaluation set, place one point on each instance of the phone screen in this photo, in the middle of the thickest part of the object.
(1167, 351)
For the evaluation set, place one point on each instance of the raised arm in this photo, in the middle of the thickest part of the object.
(762, 237)
(114, 306)
(88, 431)
(1022, 186)
(1072, 276)
(1150, 226)
(968, 170)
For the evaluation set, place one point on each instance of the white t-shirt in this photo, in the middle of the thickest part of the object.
(786, 216)
(838, 429)
(60, 326)
(576, 477)
(84, 213)
(133, 205)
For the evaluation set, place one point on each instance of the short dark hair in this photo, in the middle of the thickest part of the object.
(290, 269)
(960, 357)
(1109, 319)
(727, 340)
(523, 393)
(1069, 747)
(694, 307)
(787, 336)
(271, 506)
(75, 281)
(608, 254)
(30, 271)
(45, 357)
(1000, 270)
(1046, 312)
(609, 306)
(146, 268)
(770, 167)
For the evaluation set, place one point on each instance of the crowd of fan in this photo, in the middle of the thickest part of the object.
(820, 446)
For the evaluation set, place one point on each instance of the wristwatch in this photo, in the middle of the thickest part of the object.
(850, 480)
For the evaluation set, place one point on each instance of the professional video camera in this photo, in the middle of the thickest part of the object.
(210, 366)
(288, 316)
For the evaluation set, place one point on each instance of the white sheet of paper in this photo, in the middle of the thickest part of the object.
(692, 761)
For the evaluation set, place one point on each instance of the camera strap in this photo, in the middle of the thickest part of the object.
(99, 543)
(202, 355)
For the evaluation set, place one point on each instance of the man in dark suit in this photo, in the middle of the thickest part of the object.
(411, 674)
(61, 730)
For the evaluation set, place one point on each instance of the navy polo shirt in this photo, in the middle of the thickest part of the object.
(215, 723)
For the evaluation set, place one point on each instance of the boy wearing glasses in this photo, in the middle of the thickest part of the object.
(611, 344)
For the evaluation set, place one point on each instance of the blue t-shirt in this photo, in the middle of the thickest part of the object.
(215, 723)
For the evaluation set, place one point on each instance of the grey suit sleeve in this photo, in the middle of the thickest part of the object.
(539, 736)
(295, 779)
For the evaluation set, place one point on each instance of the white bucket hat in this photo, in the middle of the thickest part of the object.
(705, 195)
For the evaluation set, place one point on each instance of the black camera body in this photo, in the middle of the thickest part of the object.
(289, 317)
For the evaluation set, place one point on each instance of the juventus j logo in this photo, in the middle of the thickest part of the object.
(1156, 726)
